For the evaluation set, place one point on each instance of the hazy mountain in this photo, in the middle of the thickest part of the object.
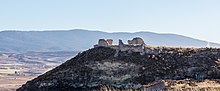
(77, 40)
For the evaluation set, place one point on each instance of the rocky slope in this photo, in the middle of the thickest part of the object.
(97, 68)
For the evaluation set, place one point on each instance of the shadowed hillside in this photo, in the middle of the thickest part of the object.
(97, 68)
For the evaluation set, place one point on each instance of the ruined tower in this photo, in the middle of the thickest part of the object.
(135, 45)
(136, 41)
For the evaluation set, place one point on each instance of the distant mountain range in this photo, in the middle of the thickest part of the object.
(78, 40)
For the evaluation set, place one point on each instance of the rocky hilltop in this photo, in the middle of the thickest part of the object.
(99, 69)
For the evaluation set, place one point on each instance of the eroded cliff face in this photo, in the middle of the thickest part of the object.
(97, 68)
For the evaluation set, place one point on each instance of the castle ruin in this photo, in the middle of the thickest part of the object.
(135, 45)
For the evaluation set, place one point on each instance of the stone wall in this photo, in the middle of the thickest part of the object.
(109, 41)
(136, 41)
(130, 48)
(103, 42)
(135, 45)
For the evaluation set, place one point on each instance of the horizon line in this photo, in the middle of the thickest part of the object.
(97, 30)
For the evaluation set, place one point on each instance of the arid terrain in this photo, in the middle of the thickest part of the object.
(165, 68)
(193, 85)
(17, 68)
(11, 83)
(175, 69)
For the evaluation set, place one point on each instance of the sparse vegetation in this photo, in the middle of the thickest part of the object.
(98, 68)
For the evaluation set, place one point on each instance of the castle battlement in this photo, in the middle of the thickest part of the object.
(135, 45)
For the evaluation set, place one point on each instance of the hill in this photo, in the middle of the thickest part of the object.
(98, 67)
(78, 40)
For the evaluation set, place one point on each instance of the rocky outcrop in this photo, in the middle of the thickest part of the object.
(98, 67)
(136, 41)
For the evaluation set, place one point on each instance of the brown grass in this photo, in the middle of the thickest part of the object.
(11, 83)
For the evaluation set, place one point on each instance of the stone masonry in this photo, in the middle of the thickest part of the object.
(135, 45)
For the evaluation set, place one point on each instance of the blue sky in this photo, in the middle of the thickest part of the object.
(194, 18)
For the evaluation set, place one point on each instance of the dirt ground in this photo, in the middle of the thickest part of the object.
(192, 85)
(11, 83)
